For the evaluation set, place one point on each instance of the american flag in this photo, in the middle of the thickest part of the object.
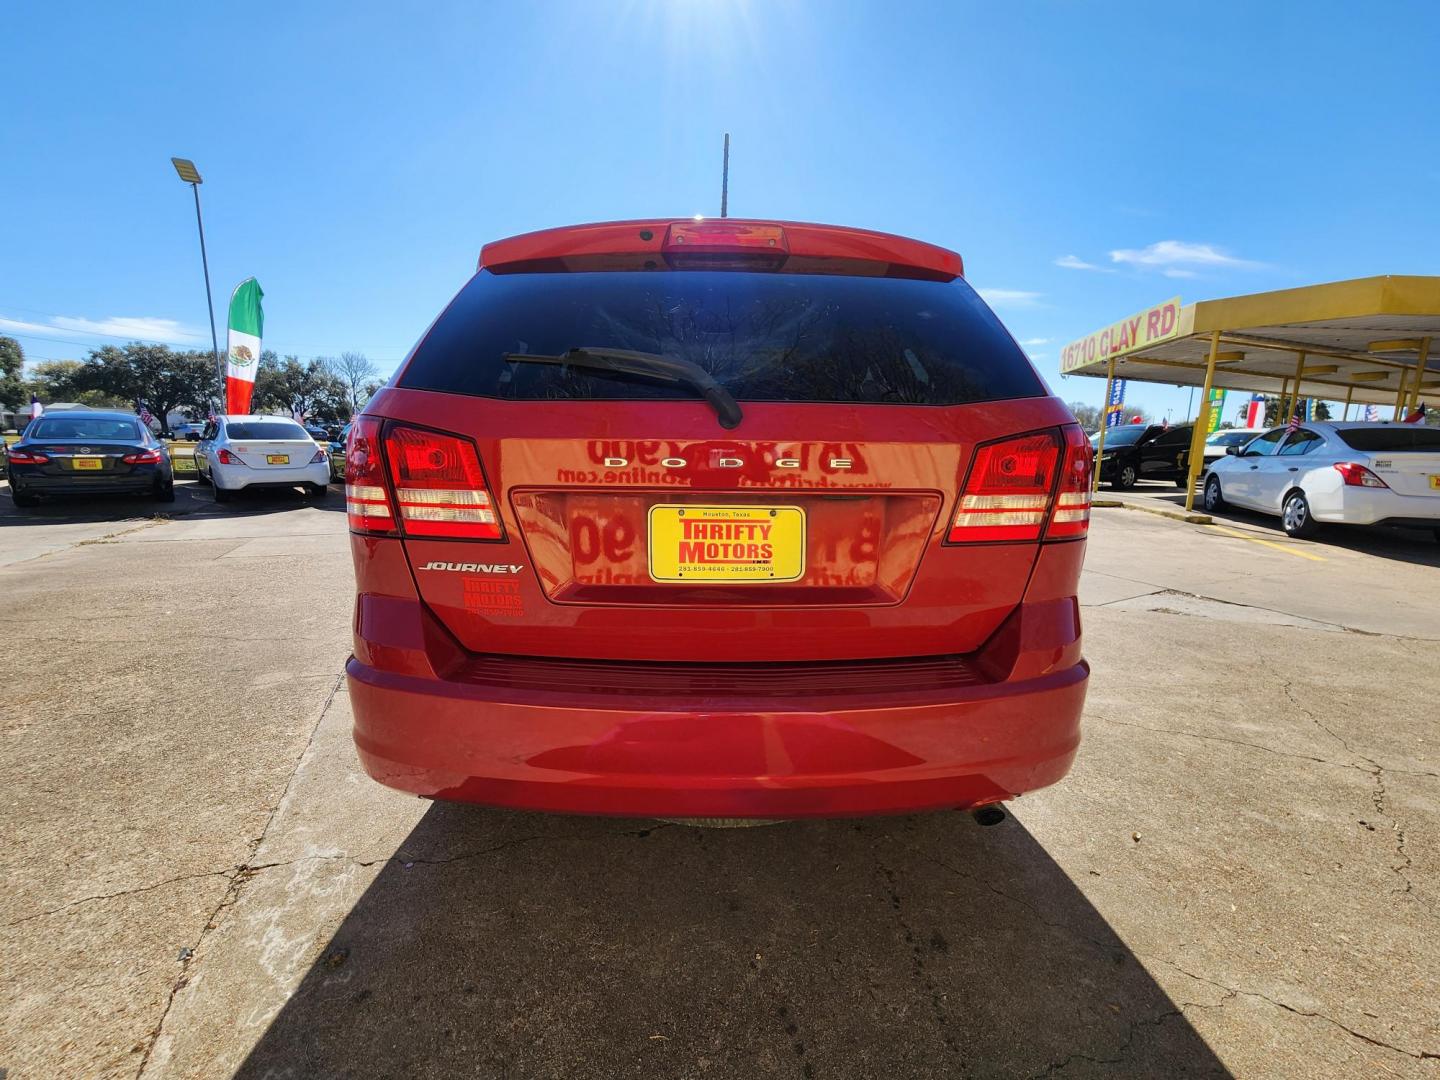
(1372, 413)
(145, 414)
(211, 414)
(36, 409)
(1294, 424)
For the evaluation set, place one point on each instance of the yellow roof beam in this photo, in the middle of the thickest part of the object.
(1228, 357)
(1395, 345)
(1321, 369)
(1371, 376)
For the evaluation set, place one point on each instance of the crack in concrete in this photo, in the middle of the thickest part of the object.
(119, 892)
(1123, 1050)
(1232, 991)
(238, 877)
(1378, 796)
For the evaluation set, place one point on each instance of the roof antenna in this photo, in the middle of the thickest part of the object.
(725, 181)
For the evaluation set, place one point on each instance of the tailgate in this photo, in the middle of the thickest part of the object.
(1409, 472)
(819, 535)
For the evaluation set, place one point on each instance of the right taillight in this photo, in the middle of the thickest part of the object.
(367, 504)
(1357, 475)
(1007, 494)
(439, 486)
(1070, 519)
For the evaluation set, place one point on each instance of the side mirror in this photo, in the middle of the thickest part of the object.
(1232, 450)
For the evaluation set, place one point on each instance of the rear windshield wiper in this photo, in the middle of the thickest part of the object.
(649, 365)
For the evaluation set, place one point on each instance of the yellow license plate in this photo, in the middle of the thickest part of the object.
(87, 463)
(727, 543)
(277, 459)
(1435, 481)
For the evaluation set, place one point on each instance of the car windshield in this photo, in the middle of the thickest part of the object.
(761, 336)
(98, 429)
(1230, 438)
(1121, 436)
(266, 429)
(1392, 439)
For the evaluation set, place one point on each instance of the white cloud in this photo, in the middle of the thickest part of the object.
(1176, 272)
(1035, 341)
(1013, 298)
(128, 328)
(1074, 262)
(1179, 253)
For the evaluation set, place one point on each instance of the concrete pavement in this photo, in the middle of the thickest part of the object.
(1238, 878)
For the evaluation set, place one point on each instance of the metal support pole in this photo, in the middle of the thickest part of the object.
(1295, 394)
(1104, 423)
(725, 180)
(1197, 437)
(209, 303)
(1284, 394)
(1421, 362)
(1349, 397)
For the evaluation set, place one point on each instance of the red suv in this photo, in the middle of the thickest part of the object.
(726, 518)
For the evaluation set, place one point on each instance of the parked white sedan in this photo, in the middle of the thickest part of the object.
(237, 452)
(1351, 474)
(1218, 444)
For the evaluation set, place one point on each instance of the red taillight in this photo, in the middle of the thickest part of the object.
(439, 486)
(321, 454)
(143, 457)
(1071, 517)
(1007, 494)
(1357, 475)
(227, 458)
(28, 457)
(367, 504)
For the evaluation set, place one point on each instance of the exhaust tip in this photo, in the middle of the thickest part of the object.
(986, 816)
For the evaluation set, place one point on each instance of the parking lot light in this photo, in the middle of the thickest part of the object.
(185, 169)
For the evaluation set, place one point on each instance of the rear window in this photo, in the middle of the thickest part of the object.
(764, 337)
(1390, 439)
(265, 429)
(99, 429)
(1121, 436)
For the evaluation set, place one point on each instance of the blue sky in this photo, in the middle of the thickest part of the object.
(356, 156)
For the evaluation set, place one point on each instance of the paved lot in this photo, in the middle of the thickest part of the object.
(1239, 877)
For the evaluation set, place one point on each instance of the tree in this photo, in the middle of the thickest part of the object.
(1088, 416)
(12, 373)
(155, 374)
(290, 386)
(1322, 410)
(358, 374)
(55, 380)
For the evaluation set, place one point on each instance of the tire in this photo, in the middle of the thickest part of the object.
(1213, 499)
(23, 498)
(1125, 477)
(221, 495)
(1295, 516)
(318, 491)
(165, 492)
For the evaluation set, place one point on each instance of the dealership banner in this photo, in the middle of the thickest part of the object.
(1254, 415)
(1217, 402)
(247, 323)
(1115, 407)
(1149, 327)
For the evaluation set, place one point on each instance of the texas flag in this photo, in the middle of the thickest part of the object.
(247, 322)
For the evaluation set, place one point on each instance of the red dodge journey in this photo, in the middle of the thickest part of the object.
(717, 519)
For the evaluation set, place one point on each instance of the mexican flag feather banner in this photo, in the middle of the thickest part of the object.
(247, 322)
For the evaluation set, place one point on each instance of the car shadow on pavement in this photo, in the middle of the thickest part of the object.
(503, 944)
(191, 500)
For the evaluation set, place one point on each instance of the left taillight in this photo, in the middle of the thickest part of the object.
(367, 503)
(440, 487)
(142, 457)
(321, 454)
(28, 457)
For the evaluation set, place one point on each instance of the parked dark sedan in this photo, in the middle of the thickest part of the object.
(1136, 452)
(88, 453)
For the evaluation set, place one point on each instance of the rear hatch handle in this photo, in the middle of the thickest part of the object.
(647, 365)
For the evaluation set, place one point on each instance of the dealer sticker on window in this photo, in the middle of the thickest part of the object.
(727, 543)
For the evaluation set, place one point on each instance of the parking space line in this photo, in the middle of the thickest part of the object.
(1268, 543)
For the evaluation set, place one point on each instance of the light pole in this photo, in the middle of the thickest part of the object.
(191, 175)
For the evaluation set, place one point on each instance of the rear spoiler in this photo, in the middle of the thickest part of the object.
(723, 244)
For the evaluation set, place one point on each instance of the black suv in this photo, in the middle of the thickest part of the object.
(1145, 452)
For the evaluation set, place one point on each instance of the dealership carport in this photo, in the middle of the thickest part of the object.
(1366, 342)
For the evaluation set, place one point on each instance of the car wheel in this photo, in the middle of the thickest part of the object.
(1213, 499)
(1125, 478)
(165, 492)
(319, 491)
(23, 498)
(221, 495)
(1296, 518)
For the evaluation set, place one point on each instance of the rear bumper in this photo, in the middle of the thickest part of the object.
(1375, 506)
(143, 478)
(238, 477)
(713, 757)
